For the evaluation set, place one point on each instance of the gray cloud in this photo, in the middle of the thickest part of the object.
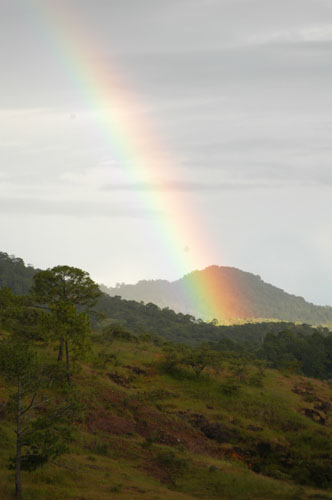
(81, 209)
(238, 95)
(193, 186)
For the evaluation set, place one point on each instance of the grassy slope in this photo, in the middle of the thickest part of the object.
(141, 440)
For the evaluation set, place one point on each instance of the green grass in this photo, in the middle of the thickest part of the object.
(109, 463)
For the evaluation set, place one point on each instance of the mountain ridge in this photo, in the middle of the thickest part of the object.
(245, 293)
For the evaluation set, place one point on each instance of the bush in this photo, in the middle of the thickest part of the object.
(229, 387)
(172, 463)
(256, 380)
(117, 488)
(116, 331)
(102, 359)
(314, 473)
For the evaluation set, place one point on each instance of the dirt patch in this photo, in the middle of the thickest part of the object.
(263, 457)
(303, 390)
(323, 406)
(315, 415)
(156, 471)
(112, 398)
(172, 431)
(149, 421)
(120, 379)
(163, 437)
(238, 454)
(255, 428)
(109, 423)
(137, 370)
(212, 430)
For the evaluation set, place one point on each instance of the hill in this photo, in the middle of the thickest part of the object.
(177, 327)
(227, 294)
(150, 419)
(150, 431)
(15, 275)
(139, 317)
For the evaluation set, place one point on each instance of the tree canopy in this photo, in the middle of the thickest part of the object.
(65, 284)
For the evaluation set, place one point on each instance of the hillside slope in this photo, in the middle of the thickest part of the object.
(150, 433)
(237, 295)
(154, 423)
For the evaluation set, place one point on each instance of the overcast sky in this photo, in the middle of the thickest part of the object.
(238, 91)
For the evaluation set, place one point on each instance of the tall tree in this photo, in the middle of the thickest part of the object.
(65, 284)
(40, 434)
(201, 358)
(72, 328)
(65, 290)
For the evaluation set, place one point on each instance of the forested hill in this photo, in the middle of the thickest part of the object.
(150, 318)
(248, 292)
(246, 295)
(177, 327)
(15, 275)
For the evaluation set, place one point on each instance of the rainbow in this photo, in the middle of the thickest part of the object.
(137, 146)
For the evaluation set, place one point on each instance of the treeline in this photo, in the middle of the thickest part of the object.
(15, 275)
(297, 348)
(303, 348)
(247, 295)
(184, 328)
(310, 355)
(138, 317)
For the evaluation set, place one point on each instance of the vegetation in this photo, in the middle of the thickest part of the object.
(152, 302)
(198, 359)
(310, 355)
(177, 327)
(14, 274)
(246, 295)
(63, 289)
(38, 420)
(136, 416)
(234, 429)
(38, 423)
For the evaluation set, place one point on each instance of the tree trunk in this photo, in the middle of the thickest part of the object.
(60, 353)
(18, 458)
(67, 363)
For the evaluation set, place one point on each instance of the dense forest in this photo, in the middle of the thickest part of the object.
(178, 327)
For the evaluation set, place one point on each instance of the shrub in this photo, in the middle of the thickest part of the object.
(229, 387)
(102, 359)
(172, 463)
(116, 331)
